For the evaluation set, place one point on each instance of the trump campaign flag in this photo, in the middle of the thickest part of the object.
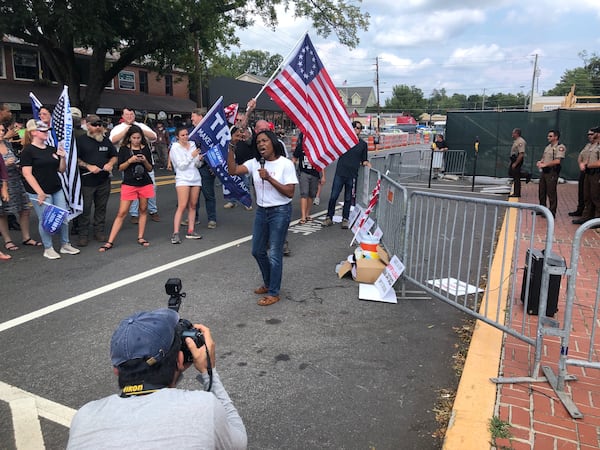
(212, 137)
(304, 90)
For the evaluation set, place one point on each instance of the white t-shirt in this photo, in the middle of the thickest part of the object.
(119, 129)
(282, 170)
(185, 167)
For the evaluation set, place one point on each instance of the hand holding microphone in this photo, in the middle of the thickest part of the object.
(262, 167)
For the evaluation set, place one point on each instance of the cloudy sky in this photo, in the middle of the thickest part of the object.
(464, 46)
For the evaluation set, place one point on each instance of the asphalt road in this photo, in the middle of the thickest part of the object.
(319, 369)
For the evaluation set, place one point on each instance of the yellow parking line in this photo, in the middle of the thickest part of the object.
(160, 181)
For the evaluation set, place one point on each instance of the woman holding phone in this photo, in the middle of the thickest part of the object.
(134, 162)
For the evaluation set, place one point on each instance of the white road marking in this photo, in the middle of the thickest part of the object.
(26, 409)
(117, 284)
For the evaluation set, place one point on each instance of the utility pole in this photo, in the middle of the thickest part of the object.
(533, 83)
(377, 83)
(483, 100)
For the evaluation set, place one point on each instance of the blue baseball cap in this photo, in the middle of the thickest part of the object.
(147, 335)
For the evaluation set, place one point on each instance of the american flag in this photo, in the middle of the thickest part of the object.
(304, 90)
(36, 105)
(231, 112)
(372, 203)
(62, 123)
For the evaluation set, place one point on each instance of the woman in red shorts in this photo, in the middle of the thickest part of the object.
(135, 163)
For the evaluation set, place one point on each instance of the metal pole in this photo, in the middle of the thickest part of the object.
(533, 83)
(475, 163)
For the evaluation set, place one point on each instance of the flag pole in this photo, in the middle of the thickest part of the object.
(284, 61)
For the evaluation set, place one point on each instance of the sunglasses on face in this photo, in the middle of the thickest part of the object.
(96, 124)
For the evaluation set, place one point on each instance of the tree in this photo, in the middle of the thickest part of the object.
(408, 99)
(255, 62)
(586, 79)
(161, 34)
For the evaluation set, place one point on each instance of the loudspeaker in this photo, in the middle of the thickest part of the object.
(534, 274)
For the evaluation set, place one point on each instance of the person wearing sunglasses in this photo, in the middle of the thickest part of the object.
(96, 157)
(346, 173)
(41, 164)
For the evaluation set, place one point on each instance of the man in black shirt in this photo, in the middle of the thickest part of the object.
(346, 173)
(96, 158)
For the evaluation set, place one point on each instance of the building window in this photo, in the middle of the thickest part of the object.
(169, 84)
(2, 64)
(356, 100)
(143, 81)
(26, 64)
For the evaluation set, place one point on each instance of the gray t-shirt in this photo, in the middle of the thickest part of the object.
(168, 418)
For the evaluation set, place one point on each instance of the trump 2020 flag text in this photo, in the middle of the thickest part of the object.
(304, 90)
(212, 136)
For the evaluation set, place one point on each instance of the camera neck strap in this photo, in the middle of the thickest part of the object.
(132, 390)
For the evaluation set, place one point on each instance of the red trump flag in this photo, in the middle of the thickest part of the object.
(304, 90)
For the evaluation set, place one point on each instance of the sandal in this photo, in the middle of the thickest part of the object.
(32, 242)
(268, 300)
(4, 256)
(143, 242)
(10, 246)
(302, 221)
(106, 247)
(309, 219)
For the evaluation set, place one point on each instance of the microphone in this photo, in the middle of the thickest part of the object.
(262, 165)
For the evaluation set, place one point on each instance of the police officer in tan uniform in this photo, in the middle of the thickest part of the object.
(517, 156)
(589, 163)
(550, 166)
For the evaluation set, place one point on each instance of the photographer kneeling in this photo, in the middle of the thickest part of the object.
(147, 354)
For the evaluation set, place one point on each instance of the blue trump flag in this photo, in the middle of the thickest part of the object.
(212, 137)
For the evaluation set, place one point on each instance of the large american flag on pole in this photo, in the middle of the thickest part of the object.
(304, 90)
(62, 123)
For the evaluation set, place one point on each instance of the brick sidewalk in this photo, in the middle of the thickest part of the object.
(537, 417)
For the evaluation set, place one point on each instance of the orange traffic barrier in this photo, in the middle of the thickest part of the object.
(371, 143)
(294, 140)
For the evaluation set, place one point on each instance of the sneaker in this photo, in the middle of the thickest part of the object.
(211, 224)
(134, 220)
(248, 208)
(229, 205)
(50, 253)
(154, 217)
(344, 224)
(175, 239)
(316, 201)
(184, 222)
(193, 235)
(327, 222)
(286, 249)
(69, 249)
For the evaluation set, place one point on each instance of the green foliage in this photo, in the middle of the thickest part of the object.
(499, 429)
(161, 34)
(255, 62)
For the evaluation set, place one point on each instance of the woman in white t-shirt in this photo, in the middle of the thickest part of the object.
(275, 180)
(185, 159)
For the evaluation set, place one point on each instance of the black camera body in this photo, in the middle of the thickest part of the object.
(184, 328)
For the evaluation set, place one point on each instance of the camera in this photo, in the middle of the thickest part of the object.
(184, 327)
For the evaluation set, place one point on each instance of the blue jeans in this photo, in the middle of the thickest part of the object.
(208, 190)
(56, 199)
(152, 207)
(338, 183)
(270, 228)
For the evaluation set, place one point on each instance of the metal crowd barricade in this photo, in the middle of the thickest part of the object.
(468, 252)
(587, 348)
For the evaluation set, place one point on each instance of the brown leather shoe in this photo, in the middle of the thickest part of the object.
(261, 290)
(155, 217)
(268, 300)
